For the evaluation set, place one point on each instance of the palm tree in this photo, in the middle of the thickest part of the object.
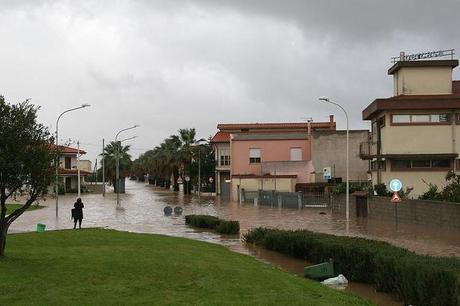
(110, 153)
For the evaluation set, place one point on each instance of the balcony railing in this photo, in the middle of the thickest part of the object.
(367, 150)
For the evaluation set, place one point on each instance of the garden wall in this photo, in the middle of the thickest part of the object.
(445, 214)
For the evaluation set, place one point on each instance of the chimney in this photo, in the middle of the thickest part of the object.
(331, 122)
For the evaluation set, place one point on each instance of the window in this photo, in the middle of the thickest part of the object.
(296, 154)
(440, 118)
(381, 121)
(421, 163)
(225, 160)
(378, 165)
(406, 164)
(440, 163)
(67, 162)
(254, 156)
(401, 118)
(402, 164)
(421, 119)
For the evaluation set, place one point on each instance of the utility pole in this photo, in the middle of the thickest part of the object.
(103, 168)
(78, 167)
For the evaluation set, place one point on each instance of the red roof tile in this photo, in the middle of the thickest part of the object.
(221, 137)
(286, 125)
(73, 172)
(68, 150)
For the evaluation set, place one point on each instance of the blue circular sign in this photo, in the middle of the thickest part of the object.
(395, 185)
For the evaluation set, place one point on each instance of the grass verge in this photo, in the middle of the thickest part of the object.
(12, 207)
(96, 266)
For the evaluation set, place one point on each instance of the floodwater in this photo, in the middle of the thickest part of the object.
(141, 210)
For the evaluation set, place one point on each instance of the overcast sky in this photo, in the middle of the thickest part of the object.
(167, 64)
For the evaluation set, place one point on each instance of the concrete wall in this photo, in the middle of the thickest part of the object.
(254, 184)
(415, 139)
(417, 180)
(431, 213)
(423, 80)
(329, 150)
(85, 165)
(303, 169)
(271, 150)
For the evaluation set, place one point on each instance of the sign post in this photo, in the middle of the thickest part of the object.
(395, 186)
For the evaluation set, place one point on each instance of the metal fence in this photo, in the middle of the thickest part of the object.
(297, 200)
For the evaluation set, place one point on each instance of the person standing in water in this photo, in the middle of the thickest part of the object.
(77, 213)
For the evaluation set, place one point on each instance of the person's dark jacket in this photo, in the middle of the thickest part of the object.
(78, 212)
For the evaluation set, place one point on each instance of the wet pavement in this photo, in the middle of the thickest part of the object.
(141, 210)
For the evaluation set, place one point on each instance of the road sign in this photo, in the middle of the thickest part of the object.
(179, 180)
(395, 198)
(211, 179)
(187, 178)
(395, 185)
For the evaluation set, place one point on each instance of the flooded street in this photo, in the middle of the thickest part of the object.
(142, 211)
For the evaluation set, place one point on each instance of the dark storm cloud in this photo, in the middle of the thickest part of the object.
(173, 64)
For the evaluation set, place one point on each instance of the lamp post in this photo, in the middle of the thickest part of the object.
(326, 99)
(198, 145)
(118, 160)
(56, 192)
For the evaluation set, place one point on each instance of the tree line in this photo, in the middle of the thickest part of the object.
(178, 158)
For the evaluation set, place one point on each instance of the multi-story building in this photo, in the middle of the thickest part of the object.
(277, 156)
(414, 133)
(68, 171)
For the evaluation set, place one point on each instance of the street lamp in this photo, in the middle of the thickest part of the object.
(118, 160)
(56, 192)
(326, 99)
(198, 145)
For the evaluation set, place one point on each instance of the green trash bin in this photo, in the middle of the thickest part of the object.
(320, 271)
(40, 228)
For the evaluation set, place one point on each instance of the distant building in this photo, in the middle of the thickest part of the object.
(414, 134)
(68, 172)
(277, 156)
(328, 152)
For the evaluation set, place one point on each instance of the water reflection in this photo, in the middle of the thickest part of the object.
(143, 212)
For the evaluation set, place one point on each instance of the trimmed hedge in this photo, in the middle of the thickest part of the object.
(412, 278)
(211, 222)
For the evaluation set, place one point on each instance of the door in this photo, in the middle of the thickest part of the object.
(68, 184)
(225, 185)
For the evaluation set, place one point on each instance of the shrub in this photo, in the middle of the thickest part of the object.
(381, 190)
(202, 221)
(354, 186)
(228, 227)
(415, 279)
(211, 222)
(431, 194)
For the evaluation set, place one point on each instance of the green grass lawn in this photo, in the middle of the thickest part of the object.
(96, 266)
(12, 207)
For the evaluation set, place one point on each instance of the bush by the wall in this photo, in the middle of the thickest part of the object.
(415, 279)
(211, 222)
(228, 227)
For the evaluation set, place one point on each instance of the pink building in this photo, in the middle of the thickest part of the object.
(271, 156)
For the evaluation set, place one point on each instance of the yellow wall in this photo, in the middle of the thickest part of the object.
(413, 139)
(254, 184)
(423, 80)
(413, 179)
